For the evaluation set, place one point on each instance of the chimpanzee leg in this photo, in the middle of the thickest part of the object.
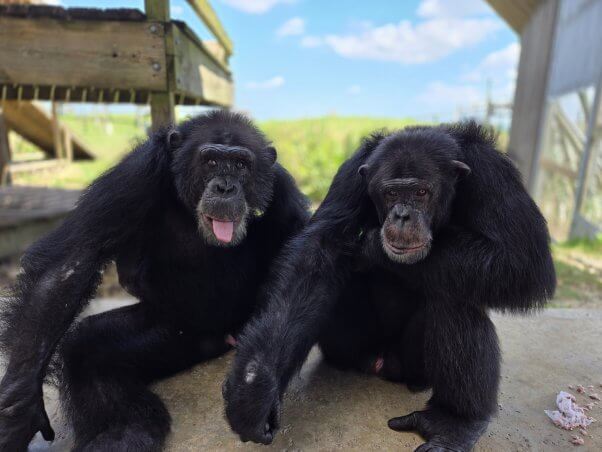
(462, 362)
(352, 338)
(108, 360)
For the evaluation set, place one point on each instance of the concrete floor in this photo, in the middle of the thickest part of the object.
(327, 409)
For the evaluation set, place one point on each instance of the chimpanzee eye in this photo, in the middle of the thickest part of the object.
(421, 192)
(240, 165)
(211, 162)
(391, 193)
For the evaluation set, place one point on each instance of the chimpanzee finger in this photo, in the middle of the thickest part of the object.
(405, 423)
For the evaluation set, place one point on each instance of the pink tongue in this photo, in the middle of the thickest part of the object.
(223, 230)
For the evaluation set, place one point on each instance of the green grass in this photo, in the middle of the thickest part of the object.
(579, 272)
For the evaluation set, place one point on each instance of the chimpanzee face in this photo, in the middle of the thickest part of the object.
(411, 181)
(224, 175)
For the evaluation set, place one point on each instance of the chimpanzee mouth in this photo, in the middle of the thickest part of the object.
(405, 249)
(223, 229)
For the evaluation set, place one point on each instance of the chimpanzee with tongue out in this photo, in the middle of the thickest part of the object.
(193, 218)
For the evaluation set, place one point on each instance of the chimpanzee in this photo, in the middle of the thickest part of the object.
(422, 231)
(193, 218)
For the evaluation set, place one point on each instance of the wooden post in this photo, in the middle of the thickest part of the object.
(57, 136)
(162, 109)
(162, 102)
(157, 10)
(4, 151)
(67, 144)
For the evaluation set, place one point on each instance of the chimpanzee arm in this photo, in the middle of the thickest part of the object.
(306, 281)
(60, 274)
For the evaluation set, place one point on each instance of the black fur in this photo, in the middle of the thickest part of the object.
(483, 244)
(145, 215)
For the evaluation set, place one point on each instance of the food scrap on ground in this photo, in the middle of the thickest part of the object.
(594, 396)
(580, 389)
(569, 415)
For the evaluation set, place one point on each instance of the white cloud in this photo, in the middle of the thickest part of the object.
(444, 28)
(354, 90)
(255, 6)
(500, 65)
(311, 41)
(442, 96)
(176, 10)
(410, 43)
(292, 27)
(271, 83)
(455, 8)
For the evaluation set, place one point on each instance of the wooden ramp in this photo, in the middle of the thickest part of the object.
(26, 213)
(35, 125)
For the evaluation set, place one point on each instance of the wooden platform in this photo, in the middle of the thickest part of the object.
(115, 55)
(26, 213)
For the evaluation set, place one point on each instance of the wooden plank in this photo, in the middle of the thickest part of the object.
(36, 165)
(162, 109)
(103, 54)
(197, 74)
(4, 151)
(208, 16)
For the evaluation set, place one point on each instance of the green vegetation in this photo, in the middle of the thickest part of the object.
(579, 271)
(312, 149)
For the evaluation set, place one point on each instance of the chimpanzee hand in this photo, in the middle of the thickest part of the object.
(22, 415)
(443, 432)
(252, 398)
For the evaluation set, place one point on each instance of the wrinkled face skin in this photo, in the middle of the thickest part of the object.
(224, 175)
(411, 182)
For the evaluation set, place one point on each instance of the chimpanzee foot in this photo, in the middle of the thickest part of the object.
(442, 431)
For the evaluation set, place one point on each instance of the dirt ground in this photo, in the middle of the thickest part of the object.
(327, 409)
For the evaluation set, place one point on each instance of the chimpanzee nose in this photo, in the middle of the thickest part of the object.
(401, 214)
(224, 188)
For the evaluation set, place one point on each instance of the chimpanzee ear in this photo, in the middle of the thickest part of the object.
(462, 168)
(271, 153)
(174, 138)
(362, 170)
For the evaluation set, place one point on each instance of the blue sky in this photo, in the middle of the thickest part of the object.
(415, 58)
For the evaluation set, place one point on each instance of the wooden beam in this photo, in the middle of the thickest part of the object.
(197, 73)
(4, 151)
(208, 16)
(76, 53)
(162, 109)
